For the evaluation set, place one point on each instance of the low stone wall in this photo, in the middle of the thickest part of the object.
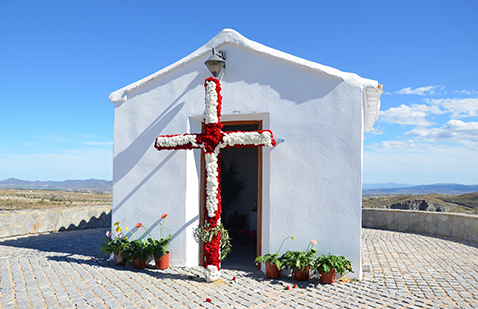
(32, 221)
(458, 226)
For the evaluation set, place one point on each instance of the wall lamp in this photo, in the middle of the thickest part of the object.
(217, 62)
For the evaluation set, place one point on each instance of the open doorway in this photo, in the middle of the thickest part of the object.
(241, 193)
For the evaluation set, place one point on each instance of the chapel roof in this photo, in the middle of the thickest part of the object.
(371, 89)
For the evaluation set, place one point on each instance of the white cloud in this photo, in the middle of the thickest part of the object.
(420, 90)
(459, 108)
(454, 131)
(398, 144)
(410, 115)
(376, 131)
(465, 92)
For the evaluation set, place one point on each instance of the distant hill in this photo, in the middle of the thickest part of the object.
(98, 185)
(388, 185)
(441, 188)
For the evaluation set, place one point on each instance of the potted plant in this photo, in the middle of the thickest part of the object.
(115, 245)
(300, 262)
(159, 247)
(273, 262)
(328, 265)
(139, 250)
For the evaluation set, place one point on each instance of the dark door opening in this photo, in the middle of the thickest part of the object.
(239, 200)
(241, 193)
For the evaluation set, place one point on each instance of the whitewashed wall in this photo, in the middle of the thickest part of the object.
(311, 182)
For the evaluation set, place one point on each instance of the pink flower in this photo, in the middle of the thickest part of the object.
(108, 233)
(313, 242)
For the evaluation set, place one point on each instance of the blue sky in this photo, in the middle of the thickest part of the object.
(60, 60)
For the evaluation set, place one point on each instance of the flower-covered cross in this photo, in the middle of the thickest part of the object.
(212, 140)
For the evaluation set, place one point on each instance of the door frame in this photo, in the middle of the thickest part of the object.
(202, 203)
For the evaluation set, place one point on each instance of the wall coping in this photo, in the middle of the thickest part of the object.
(35, 221)
(455, 225)
(44, 220)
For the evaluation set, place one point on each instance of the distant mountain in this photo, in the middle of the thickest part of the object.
(98, 185)
(388, 185)
(440, 188)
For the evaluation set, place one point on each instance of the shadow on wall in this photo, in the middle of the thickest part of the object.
(104, 220)
(127, 159)
(173, 236)
(287, 79)
(145, 179)
(34, 221)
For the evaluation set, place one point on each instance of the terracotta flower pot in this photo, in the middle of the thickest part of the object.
(301, 274)
(272, 271)
(162, 262)
(138, 264)
(119, 259)
(327, 278)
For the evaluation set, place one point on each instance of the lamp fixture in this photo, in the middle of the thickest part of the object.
(217, 62)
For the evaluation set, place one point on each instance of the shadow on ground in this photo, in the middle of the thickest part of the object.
(83, 242)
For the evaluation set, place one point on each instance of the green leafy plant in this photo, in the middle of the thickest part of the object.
(114, 244)
(298, 260)
(142, 249)
(339, 263)
(273, 258)
(159, 247)
(138, 248)
(205, 233)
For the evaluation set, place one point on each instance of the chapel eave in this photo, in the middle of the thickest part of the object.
(233, 37)
(371, 106)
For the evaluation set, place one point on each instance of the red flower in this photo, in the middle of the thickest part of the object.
(138, 225)
(295, 286)
(164, 216)
(287, 288)
(208, 300)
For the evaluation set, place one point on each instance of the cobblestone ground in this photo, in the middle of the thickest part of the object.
(66, 270)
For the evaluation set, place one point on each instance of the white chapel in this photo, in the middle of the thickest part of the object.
(309, 185)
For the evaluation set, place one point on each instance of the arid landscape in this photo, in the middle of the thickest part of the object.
(16, 199)
(464, 203)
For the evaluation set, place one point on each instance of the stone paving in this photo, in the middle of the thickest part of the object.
(66, 270)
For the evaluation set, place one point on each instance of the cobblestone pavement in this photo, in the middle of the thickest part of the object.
(66, 270)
